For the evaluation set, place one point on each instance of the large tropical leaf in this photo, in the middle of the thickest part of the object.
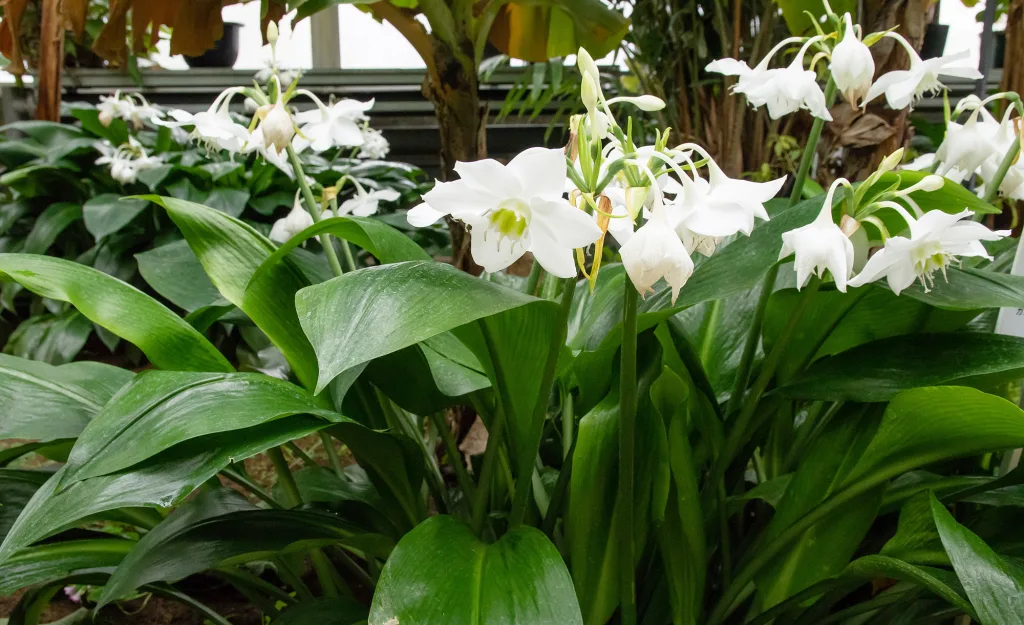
(879, 370)
(16, 490)
(175, 273)
(231, 252)
(42, 402)
(159, 482)
(538, 30)
(166, 339)
(45, 562)
(218, 526)
(161, 409)
(996, 590)
(518, 580)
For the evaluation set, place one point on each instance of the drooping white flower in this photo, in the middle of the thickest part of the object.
(126, 161)
(255, 142)
(936, 240)
(337, 125)
(132, 108)
(374, 146)
(722, 206)
(214, 126)
(513, 209)
(820, 245)
(903, 88)
(277, 126)
(784, 90)
(297, 220)
(655, 252)
(365, 203)
(968, 145)
(852, 66)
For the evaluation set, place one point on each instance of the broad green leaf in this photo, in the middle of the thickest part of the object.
(879, 370)
(160, 482)
(826, 548)
(916, 540)
(166, 339)
(352, 319)
(951, 198)
(878, 566)
(45, 132)
(228, 201)
(231, 252)
(995, 589)
(54, 339)
(231, 539)
(16, 489)
(422, 380)
(834, 322)
(161, 409)
(971, 289)
(518, 580)
(538, 31)
(42, 402)
(107, 213)
(175, 273)
(795, 12)
(45, 562)
(48, 226)
(323, 610)
(377, 238)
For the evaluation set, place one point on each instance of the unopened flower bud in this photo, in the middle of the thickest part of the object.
(931, 183)
(272, 33)
(589, 92)
(106, 117)
(647, 103)
(587, 65)
(635, 198)
(277, 126)
(890, 162)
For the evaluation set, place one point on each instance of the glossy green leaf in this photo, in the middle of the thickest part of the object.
(953, 197)
(53, 339)
(971, 289)
(228, 201)
(16, 489)
(45, 562)
(175, 273)
(422, 380)
(995, 589)
(48, 226)
(826, 548)
(878, 566)
(161, 409)
(834, 322)
(231, 252)
(879, 370)
(379, 239)
(42, 402)
(160, 482)
(107, 213)
(166, 339)
(379, 310)
(518, 580)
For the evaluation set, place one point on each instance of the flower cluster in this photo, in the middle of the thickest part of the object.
(126, 160)
(851, 69)
(132, 108)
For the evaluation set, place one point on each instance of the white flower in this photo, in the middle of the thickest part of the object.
(213, 126)
(364, 204)
(512, 209)
(297, 220)
(338, 125)
(936, 239)
(255, 142)
(374, 145)
(784, 90)
(132, 108)
(721, 206)
(968, 145)
(818, 246)
(126, 161)
(655, 252)
(277, 126)
(904, 88)
(852, 66)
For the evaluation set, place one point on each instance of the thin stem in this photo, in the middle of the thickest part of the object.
(346, 250)
(812, 147)
(354, 568)
(301, 455)
(627, 451)
(533, 278)
(495, 435)
(526, 462)
(451, 450)
(255, 489)
(293, 498)
(558, 494)
(332, 455)
(992, 186)
(314, 211)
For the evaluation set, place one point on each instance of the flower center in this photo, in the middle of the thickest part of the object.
(928, 259)
(510, 219)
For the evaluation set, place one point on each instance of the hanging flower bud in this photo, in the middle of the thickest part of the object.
(589, 91)
(587, 65)
(852, 66)
(647, 103)
(278, 128)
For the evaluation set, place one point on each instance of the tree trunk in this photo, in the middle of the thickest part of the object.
(461, 121)
(1013, 61)
(51, 61)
